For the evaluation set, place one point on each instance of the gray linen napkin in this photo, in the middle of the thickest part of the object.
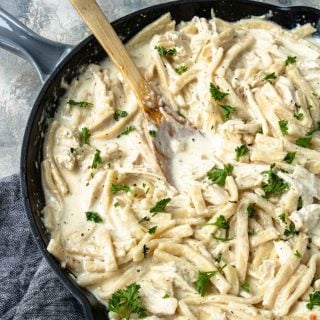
(28, 288)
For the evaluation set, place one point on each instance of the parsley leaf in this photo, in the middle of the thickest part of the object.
(298, 116)
(166, 296)
(300, 203)
(245, 287)
(283, 124)
(166, 52)
(146, 218)
(119, 187)
(216, 94)
(145, 250)
(304, 141)
(227, 111)
(314, 300)
(81, 104)
(160, 206)
(153, 133)
(119, 114)
(241, 151)
(126, 302)
(96, 159)
(251, 210)
(218, 257)
(153, 230)
(260, 129)
(290, 231)
(221, 239)
(274, 184)
(219, 176)
(269, 77)
(85, 135)
(93, 216)
(203, 280)
(180, 114)
(221, 223)
(290, 60)
(126, 131)
(289, 157)
(181, 69)
(282, 217)
(298, 254)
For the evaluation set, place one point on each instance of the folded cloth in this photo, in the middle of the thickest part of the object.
(28, 287)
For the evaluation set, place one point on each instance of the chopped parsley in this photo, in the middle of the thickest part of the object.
(241, 151)
(85, 135)
(282, 217)
(93, 216)
(300, 203)
(117, 204)
(81, 104)
(290, 231)
(298, 116)
(181, 69)
(166, 52)
(221, 239)
(304, 141)
(245, 287)
(146, 218)
(165, 296)
(290, 60)
(153, 230)
(203, 280)
(180, 114)
(269, 77)
(219, 176)
(160, 206)
(260, 130)
(220, 222)
(251, 210)
(126, 131)
(298, 254)
(145, 250)
(119, 114)
(283, 124)
(314, 300)
(119, 187)
(216, 94)
(289, 157)
(227, 111)
(218, 257)
(153, 133)
(96, 159)
(274, 184)
(126, 302)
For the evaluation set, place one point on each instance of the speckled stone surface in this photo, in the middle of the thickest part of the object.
(19, 84)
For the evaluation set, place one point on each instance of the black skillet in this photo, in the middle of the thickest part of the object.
(55, 62)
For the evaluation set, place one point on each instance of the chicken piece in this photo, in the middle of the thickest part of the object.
(156, 284)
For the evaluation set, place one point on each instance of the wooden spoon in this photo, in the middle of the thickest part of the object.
(97, 22)
(169, 125)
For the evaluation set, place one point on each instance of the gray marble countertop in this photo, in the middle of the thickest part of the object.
(19, 84)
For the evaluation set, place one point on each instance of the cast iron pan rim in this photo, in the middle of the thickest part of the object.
(26, 139)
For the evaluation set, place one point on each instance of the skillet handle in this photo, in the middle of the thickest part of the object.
(44, 54)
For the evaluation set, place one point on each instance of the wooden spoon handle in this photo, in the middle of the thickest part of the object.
(97, 22)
